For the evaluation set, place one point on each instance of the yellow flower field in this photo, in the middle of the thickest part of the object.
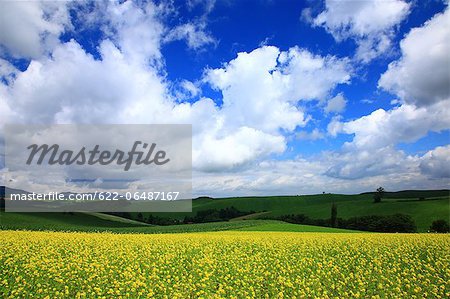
(224, 265)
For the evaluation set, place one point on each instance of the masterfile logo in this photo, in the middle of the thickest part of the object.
(109, 168)
(96, 156)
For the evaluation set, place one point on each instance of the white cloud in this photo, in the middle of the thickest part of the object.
(31, 28)
(121, 86)
(263, 92)
(336, 104)
(126, 84)
(367, 101)
(335, 126)
(436, 163)
(260, 92)
(5, 111)
(315, 134)
(7, 71)
(235, 149)
(357, 163)
(422, 75)
(395, 102)
(421, 79)
(372, 152)
(370, 23)
(272, 82)
(137, 31)
(187, 90)
(90, 90)
(207, 4)
(193, 33)
(312, 77)
(406, 123)
(309, 176)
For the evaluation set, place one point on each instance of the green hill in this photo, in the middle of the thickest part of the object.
(89, 222)
(433, 206)
(62, 221)
(423, 206)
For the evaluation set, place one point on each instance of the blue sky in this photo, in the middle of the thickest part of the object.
(284, 96)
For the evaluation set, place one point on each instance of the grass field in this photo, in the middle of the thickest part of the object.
(424, 212)
(91, 223)
(279, 226)
(60, 221)
(318, 206)
(224, 265)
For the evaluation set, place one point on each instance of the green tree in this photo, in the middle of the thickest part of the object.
(140, 217)
(333, 215)
(440, 226)
(378, 195)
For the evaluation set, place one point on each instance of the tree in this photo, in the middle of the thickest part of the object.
(378, 195)
(140, 217)
(398, 223)
(440, 226)
(333, 215)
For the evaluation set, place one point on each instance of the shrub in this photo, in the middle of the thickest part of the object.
(398, 223)
(440, 226)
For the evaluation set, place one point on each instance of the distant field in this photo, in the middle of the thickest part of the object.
(279, 226)
(59, 221)
(90, 223)
(424, 212)
(117, 219)
(436, 206)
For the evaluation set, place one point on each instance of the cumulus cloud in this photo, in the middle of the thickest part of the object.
(125, 83)
(136, 30)
(406, 123)
(31, 28)
(272, 82)
(420, 78)
(334, 127)
(370, 23)
(262, 105)
(309, 176)
(436, 163)
(336, 104)
(235, 149)
(362, 163)
(372, 149)
(422, 75)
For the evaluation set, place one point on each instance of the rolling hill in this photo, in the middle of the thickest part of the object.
(434, 206)
(424, 206)
(91, 223)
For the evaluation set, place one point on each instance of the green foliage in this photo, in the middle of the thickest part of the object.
(213, 215)
(397, 223)
(376, 198)
(440, 226)
(333, 218)
(414, 193)
(378, 195)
